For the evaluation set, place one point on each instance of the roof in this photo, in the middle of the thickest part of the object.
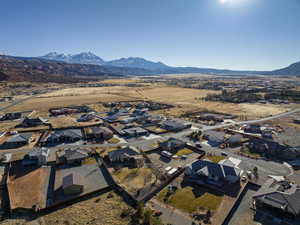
(135, 130)
(234, 162)
(73, 133)
(172, 143)
(39, 151)
(236, 138)
(281, 195)
(73, 154)
(72, 179)
(215, 136)
(119, 154)
(205, 167)
(21, 137)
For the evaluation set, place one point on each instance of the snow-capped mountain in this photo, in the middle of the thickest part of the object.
(91, 58)
(81, 58)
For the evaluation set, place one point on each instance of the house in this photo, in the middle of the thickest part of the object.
(279, 197)
(18, 140)
(235, 140)
(174, 125)
(86, 117)
(11, 116)
(72, 156)
(72, 184)
(33, 122)
(62, 136)
(135, 132)
(37, 156)
(214, 138)
(252, 128)
(218, 174)
(172, 145)
(127, 156)
(98, 133)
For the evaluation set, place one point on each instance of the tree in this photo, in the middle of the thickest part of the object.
(255, 172)
(140, 210)
(147, 217)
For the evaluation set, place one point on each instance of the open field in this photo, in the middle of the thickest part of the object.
(185, 100)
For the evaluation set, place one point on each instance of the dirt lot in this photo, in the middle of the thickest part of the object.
(134, 179)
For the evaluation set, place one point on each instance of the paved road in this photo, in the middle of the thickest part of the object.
(203, 127)
(15, 103)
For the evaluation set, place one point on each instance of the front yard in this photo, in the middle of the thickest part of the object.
(191, 199)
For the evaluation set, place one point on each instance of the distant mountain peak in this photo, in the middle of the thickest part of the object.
(81, 58)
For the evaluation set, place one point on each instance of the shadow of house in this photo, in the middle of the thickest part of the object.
(17, 140)
(62, 136)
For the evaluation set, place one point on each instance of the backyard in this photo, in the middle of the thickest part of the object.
(191, 199)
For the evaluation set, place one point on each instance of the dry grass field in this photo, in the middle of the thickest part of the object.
(185, 100)
(100, 210)
(134, 179)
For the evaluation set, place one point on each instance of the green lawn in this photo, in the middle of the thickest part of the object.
(190, 199)
(215, 158)
(113, 140)
(184, 151)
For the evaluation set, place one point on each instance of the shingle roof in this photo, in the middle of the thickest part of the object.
(274, 194)
(22, 137)
(205, 167)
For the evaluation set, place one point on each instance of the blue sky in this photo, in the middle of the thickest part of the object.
(236, 34)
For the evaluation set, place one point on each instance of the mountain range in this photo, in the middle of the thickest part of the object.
(57, 67)
(151, 67)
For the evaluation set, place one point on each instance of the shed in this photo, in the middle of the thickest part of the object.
(72, 184)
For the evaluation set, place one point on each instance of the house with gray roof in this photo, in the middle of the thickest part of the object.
(214, 138)
(172, 145)
(18, 140)
(62, 136)
(174, 125)
(205, 171)
(128, 156)
(72, 156)
(280, 197)
(135, 132)
(37, 156)
(33, 122)
(73, 184)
